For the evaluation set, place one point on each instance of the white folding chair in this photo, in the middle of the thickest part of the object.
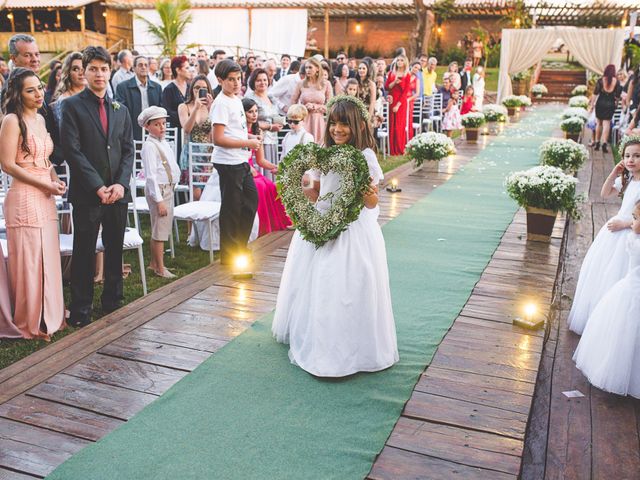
(433, 114)
(416, 119)
(141, 204)
(200, 210)
(618, 124)
(4, 189)
(383, 131)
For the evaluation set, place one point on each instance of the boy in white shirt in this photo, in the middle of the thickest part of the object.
(162, 173)
(298, 135)
(230, 158)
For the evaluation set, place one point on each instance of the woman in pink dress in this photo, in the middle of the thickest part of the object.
(7, 328)
(271, 213)
(399, 87)
(35, 273)
(314, 93)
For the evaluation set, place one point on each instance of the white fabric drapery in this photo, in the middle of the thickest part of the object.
(279, 30)
(593, 48)
(520, 50)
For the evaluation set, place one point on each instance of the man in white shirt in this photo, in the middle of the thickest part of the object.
(125, 58)
(282, 90)
(216, 57)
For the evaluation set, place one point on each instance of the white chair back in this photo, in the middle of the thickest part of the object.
(200, 166)
(171, 136)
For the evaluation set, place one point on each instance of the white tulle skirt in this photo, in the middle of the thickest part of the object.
(609, 351)
(334, 303)
(606, 262)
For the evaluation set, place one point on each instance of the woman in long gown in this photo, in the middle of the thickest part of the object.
(399, 87)
(30, 210)
(271, 213)
(334, 302)
(314, 93)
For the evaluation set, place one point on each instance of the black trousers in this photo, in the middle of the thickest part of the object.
(238, 209)
(86, 223)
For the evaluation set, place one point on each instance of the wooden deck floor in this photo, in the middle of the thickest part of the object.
(466, 418)
(597, 436)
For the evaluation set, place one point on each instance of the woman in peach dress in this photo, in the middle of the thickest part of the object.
(314, 93)
(7, 328)
(35, 274)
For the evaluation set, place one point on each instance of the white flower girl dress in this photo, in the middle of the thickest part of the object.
(606, 262)
(609, 351)
(334, 303)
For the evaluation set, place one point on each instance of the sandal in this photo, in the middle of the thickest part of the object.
(164, 273)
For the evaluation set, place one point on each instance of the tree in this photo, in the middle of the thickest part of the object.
(422, 30)
(174, 18)
(518, 16)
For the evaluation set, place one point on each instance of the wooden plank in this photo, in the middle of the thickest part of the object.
(164, 355)
(58, 417)
(54, 441)
(220, 328)
(180, 339)
(116, 402)
(397, 464)
(138, 376)
(29, 459)
(10, 475)
(481, 381)
(475, 449)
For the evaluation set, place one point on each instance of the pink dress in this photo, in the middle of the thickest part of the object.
(7, 328)
(314, 123)
(271, 213)
(35, 272)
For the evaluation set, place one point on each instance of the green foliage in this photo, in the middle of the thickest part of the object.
(632, 52)
(174, 18)
(454, 54)
(519, 11)
(443, 10)
(492, 56)
(315, 227)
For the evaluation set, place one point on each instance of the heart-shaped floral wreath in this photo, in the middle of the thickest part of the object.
(315, 227)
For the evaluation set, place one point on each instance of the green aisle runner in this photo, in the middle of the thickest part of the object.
(247, 413)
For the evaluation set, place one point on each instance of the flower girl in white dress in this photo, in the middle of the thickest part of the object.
(609, 351)
(607, 260)
(334, 303)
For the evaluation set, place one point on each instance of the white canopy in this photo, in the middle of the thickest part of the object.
(595, 48)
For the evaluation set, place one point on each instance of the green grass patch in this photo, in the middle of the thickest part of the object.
(187, 260)
(490, 79)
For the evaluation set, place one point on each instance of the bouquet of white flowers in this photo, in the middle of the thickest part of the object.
(495, 113)
(539, 89)
(524, 101)
(429, 146)
(575, 112)
(511, 101)
(572, 124)
(565, 154)
(579, 90)
(472, 119)
(544, 187)
(579, 101)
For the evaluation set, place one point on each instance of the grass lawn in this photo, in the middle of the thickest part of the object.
(490, 79)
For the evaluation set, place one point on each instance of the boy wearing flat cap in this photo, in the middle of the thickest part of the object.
(162, 174)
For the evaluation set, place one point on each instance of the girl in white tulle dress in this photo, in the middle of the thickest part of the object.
(609, 351)
(607, 260)
(334, 303)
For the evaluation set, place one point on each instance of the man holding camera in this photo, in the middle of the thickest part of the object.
(138, 93)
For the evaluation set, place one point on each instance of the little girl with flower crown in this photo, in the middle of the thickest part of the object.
(334, 302)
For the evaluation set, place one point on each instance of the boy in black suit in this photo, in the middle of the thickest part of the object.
(98, 145)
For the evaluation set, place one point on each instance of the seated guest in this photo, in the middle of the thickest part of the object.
(139, 93)
(161, 173)
(35, 273)
(271, 213)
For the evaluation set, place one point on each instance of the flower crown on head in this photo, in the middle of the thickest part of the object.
(635, 139)
(349, 98)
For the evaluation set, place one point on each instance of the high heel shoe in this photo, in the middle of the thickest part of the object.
(604, 148)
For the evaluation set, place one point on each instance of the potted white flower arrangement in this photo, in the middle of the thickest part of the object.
(572, 127)
(494, 114)
(429, 146)
(543, 191)
(524, 101)
(579, 101)
(513, 104)
(471, 122)
(565, 154)
(575, 112)
(579, 90)
(538, 90)
(519, 81)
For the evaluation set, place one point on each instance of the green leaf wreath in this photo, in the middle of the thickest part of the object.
(345, 160)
